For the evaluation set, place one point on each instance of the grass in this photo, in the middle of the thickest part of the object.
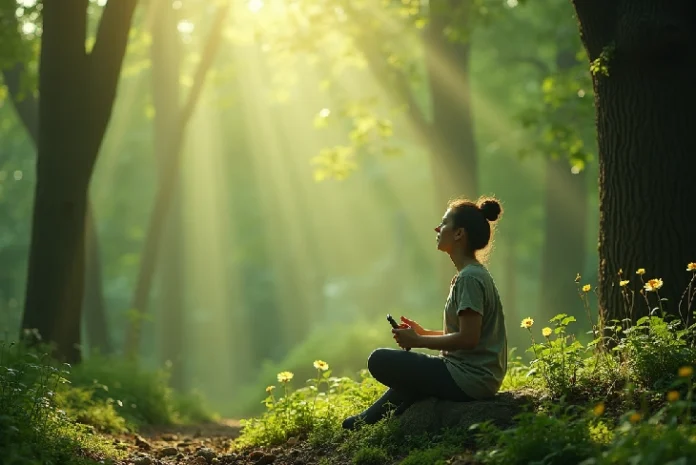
(624, 397)
(53, 414)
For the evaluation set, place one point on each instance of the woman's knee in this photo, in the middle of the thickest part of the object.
(379, 361)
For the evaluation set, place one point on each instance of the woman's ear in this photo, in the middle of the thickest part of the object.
(459, 234)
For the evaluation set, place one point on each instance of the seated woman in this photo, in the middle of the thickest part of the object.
(473, 341)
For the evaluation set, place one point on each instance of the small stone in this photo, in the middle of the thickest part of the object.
(207, 453)
(198, 461)
(266, 459)
(168, 452)
(276, 451)
(142, 443)
(170, 437)
(255, 455)
(292, 440)
(145, 460)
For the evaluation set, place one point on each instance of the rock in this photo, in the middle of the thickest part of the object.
(292, 440)
(142, 443)
(144, 460)
(207, 453)
(170, 437)
(431, 415)
(266, 459)
(255, 455)
(168, 452)
(198, 461)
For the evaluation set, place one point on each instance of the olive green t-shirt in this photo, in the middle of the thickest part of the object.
(478, 372)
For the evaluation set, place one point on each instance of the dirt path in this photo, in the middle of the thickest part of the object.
(204, 444)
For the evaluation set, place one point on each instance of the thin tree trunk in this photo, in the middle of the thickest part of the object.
(71, 82)
(166, 58)
(563, 250)
(94, 307)
(645, 120)
(452, 143)
(169, 180)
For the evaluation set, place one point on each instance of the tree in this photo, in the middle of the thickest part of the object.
(168, 186)
(82, 85)
(166, 60)
(643, 72)
(27, 108)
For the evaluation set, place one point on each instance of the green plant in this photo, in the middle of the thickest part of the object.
(436, 455)
(558, 436)
(370, 456)
(33, 427)
(316, 409)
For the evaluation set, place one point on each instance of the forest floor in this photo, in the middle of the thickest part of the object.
(208, 443)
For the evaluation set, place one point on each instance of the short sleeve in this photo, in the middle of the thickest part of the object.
(468, 292)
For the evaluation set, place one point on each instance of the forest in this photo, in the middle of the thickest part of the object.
(208, 208)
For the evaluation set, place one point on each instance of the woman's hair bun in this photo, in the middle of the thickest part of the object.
(491, 209)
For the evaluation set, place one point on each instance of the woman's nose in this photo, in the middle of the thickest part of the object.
(437, 229)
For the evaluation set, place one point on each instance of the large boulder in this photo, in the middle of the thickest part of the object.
(432, 415)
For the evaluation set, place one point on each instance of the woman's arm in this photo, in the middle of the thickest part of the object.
(467, 338)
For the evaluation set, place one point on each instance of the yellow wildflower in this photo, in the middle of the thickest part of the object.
(673, 396)
(527, 323)
(270, 389)
(321, 365)
(685, 372)
(640, 271)
(285, 376)
(546, 332)
(653, 284)
(623, 282)
(586, 288)
(635, 417)
(598, 409)
(691, 267)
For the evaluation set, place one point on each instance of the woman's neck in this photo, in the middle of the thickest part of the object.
(462, 259)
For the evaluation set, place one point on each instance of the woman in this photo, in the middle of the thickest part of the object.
(473, 341)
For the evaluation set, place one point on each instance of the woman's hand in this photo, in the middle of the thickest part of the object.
(415, 326)
(406, 337)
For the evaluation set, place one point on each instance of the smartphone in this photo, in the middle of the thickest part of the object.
(394, 325)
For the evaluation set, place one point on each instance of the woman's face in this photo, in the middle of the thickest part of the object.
(447, 234)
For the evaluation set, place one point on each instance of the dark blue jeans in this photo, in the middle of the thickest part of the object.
(410, 377)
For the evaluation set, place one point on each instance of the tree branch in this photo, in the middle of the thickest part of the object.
(106, 59)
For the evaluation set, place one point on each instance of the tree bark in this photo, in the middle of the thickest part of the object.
(166, 59)
(645, 120)
(82, 86)
(168, 186)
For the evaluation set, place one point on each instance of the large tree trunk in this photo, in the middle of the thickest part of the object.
(645, 122)
(83, 86)
(451, 136)
(166, 59)
(94, 307)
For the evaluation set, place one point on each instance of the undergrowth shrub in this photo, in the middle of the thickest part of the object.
(33, 427)
(142, 397)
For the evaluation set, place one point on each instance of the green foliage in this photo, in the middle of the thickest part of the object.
(370, 456)
(437, 455)
(140, 396)
(556, 437)
(33, 427)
